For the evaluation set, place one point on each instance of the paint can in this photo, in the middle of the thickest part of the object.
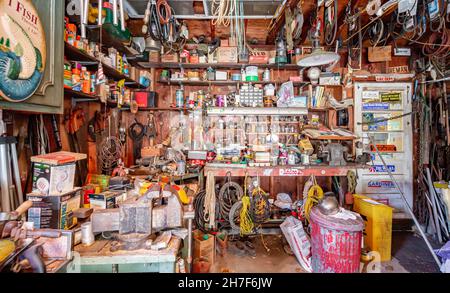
(335, 242)
(87, 236)
(179, 98)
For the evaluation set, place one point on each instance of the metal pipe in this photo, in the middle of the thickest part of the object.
(115, 18)
(100, 10)
(83, 26)
(204, 17)
(16, 173)
(416, 222)
(122, 16)
(86, 12)
(189, 252)
(4, 188)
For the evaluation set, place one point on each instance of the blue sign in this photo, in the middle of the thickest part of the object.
(376, 106)
(386, 184)
(381, 168)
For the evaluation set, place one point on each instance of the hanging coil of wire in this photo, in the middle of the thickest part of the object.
(260, 208)
(110, 152)
(230, 193)
(201, 217)
(377, 33)
(331, 15)
(222, 10)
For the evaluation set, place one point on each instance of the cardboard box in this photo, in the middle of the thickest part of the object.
(54, 211)
(169, 58)
(379, 54)
(204, 248)
(106, 199)
(227, 55)
(145, 99)
(154, 56)
(53, 179)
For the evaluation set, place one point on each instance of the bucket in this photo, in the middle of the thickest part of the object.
(378, 225)
(335, 242)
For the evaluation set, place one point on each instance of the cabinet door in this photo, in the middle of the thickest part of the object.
(393, 137)
(49, 97)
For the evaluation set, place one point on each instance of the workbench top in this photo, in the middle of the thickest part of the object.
(295, 170)
(100, 252)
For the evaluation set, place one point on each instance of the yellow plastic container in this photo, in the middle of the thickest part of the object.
(378, 224)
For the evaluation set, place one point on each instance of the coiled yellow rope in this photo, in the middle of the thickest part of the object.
(315, 193)
(246, 223)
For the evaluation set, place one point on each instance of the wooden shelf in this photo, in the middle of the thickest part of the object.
(80, 95)
(223, 82)
(174, 65)
(317, 170)
(126, 108)
(77, 55)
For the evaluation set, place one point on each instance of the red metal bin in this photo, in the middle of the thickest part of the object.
(335, 243)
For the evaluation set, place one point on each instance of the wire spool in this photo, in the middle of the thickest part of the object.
(229, 194)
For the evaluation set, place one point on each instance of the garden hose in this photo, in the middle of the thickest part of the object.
(229, 194)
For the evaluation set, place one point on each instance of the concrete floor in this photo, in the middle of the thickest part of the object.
(409, 255)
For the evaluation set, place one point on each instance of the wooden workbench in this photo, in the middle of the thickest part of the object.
(98, 258)
(317, 170)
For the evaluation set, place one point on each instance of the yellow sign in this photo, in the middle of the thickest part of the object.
(390, 97)
(22, 50)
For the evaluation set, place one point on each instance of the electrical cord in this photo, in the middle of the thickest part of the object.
(136, 132)
(331, 27)
(229, 194)
(164, 11)
(260, 206)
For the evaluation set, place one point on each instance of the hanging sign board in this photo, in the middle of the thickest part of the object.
(375, 106)
(381, 184)
(390, 97)
(384, 148)
(22, 50)
(381, 168)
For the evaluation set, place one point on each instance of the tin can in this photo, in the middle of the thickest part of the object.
(305, 159)
(181, 167)
(179, 98)
(291, 158)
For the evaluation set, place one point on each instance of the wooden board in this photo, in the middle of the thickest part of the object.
(58, 158)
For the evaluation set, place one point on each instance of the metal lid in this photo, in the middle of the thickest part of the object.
(343, 221)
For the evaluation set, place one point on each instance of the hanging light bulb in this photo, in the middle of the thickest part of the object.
(313, 75)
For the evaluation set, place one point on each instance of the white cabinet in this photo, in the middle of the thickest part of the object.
(393, 138)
